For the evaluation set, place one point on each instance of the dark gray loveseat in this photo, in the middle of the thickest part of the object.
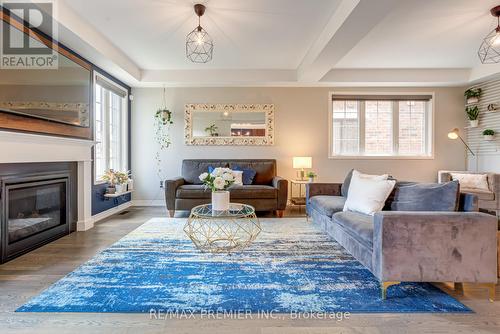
(458, 245)
(268, 192)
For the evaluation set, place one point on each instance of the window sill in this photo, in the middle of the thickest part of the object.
(379, 157)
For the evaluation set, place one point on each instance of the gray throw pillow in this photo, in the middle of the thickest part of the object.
(344, 189)
(413, 196)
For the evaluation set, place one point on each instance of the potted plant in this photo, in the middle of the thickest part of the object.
(163, 120)
(311, 175)
(212, 130)
(472, 95)
(218, 181)
(488, 134)
(472, 114)
(122, 180)
(116, 180)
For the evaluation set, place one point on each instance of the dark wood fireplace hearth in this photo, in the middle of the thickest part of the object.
(37, 205)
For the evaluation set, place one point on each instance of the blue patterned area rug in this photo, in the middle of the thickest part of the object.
(291, 267)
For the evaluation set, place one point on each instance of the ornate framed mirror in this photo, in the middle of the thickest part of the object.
(229, 124)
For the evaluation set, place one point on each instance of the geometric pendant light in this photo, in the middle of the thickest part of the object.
(489, 51)
(199, 44)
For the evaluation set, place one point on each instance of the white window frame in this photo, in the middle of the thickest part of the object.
(124, 125)
(430, 136)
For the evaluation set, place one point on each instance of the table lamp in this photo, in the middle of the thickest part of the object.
(301, 163)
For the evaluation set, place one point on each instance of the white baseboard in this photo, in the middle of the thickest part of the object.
(148, 202)
(84, 225)
(110, 212)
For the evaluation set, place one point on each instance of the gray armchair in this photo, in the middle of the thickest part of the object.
(268, 192)
(488, 200)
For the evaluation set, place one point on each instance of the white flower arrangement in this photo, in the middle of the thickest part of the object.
(219, 179)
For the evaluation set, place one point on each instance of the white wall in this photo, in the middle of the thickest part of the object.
(301, 130)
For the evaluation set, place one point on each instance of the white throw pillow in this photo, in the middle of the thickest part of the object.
(368, 194)
(471, 181)
(238, 177)
(369, 176)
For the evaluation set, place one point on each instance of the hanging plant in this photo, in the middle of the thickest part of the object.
(162, 121)
(472, 95)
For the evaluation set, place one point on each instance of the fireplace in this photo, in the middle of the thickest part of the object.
(36, 207)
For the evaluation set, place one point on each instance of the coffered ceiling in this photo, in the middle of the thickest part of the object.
(284, 42)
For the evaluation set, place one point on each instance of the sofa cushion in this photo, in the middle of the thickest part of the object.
(327, 205)
(253, 191)
(413, 196)
(344, 189)
(368, 193)
(193, 191)
(191, 169)
(188, 191)
(484, 195)
(248, 174)
(265, 168)
(358, 225)
(471, 180)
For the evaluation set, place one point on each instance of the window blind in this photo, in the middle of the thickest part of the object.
(122, 92)
(343, 97)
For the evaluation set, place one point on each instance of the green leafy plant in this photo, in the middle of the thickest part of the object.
(488, 132)
(311, 174)
(163, 120)
(212, 130)
(472, 113)
(115, 177)
(472, 92)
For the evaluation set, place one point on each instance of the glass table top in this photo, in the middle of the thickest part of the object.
(236, 210)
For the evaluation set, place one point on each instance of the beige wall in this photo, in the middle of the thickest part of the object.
(301, 130)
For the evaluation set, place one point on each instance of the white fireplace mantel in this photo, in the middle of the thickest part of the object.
(17, 147)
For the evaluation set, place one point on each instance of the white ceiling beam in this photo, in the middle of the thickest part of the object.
(350, 23)
(398, 77)
(216, 77)
(484, 72)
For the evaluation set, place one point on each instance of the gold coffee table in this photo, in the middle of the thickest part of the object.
(222, 231)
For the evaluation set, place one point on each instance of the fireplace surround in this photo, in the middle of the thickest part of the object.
(37, 205)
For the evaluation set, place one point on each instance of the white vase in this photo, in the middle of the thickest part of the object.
(311, 180)
(471, 100)
(120, 188)
(220, 200)
(130, 185)
(488, 137)
(474, 123)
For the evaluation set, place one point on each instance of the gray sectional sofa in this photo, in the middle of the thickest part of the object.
(426, 233)
(268, 192)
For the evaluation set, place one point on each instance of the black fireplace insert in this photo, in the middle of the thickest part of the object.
(35, 209)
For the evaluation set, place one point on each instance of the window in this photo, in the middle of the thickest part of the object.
(381, 125)
(110, 127)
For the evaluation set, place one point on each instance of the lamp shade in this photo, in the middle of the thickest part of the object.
(453, 134)
(302, 162)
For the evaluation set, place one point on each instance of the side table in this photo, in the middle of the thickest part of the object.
(298, 199)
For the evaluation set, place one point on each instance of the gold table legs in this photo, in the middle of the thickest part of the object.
(384, 286)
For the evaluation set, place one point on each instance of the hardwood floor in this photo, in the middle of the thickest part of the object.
(28, 275)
